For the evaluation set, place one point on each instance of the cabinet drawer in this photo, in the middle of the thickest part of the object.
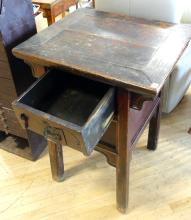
(76, 109)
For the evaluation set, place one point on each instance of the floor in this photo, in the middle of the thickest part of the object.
(160, 181)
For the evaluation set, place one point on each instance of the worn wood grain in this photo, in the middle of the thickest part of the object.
(56, 160)
(154, 128)
(123, 151)
(131, 53)
(12, 123)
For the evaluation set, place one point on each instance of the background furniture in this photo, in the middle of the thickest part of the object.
(52, 8)
(16, 25)
(93, 3)
(163, 10)
(97, 54)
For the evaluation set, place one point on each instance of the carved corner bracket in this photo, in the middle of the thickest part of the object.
(37, 70)
(109, 153)
(137, 101)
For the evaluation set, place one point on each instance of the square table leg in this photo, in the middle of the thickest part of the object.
(56, 160)
(123, 151)
(154, 128)
(50, 20)
(124, 145)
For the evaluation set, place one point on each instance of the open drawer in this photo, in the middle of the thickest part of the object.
(67, 108)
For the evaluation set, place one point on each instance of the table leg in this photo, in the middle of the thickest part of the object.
(93, 3)
(63, 14)
(49, 20)
(123, 151)
(50, 16)
(154, 128)
(56, 160)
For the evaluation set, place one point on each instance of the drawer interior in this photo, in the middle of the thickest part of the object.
(65, 96)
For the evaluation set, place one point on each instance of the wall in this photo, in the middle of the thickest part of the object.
(187, 12)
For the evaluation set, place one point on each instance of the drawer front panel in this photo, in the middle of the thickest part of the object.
(79, 112)
(39, 124)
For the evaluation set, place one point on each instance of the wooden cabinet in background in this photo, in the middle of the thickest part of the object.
(16, 25)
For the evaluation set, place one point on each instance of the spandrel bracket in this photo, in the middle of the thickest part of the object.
(53, 134)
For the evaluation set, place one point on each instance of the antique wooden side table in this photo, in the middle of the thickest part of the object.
(103, 82)
(52, 8)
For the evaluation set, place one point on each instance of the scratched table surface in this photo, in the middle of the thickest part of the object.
(127, 52)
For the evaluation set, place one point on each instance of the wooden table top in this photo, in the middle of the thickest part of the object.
(44, 2)
(123, 51)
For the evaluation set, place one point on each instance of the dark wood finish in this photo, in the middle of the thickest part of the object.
(3, 57)
(88, 108)
(56, 160)
(123, 150)
(131, 46)
(12, 123)
(3, 125)
(7, 92)
(154, 127)
(137, 101)
(133, 55)
(5, 71)
(52, 8)
(138, 120)
(17, 24)
(109, 153)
